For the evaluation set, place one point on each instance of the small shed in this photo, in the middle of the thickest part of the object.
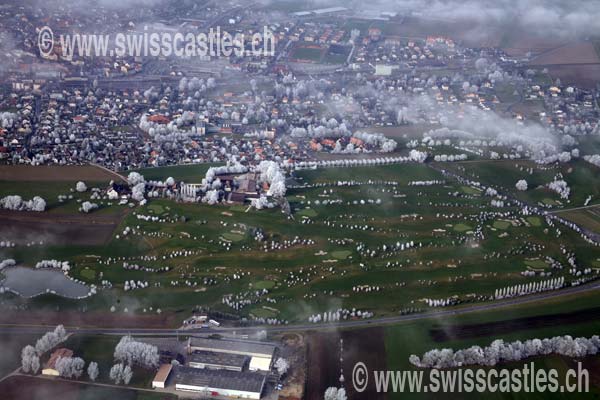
(160, 379)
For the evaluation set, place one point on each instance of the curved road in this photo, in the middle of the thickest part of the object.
(40, 329)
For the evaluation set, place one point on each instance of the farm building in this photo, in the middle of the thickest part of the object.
(160, 379)
(245, 385)
(50, 367)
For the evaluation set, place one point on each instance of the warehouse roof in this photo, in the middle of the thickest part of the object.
(232, 346)
(163, 373)
(220, 359)
(220, 379)
(260, 363)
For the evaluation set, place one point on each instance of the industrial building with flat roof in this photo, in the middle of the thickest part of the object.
(261, 353)
(252, 349)
(213, 360)
(247, 385)
(160, 379)
(214, 367)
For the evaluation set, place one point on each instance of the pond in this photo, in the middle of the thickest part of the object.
(28, 282)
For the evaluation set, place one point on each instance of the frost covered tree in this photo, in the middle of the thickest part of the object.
(277, 188)
(211, 197)
(134, 178)
(132, 352)
(87, 207)
(60, 332)
(12, 202)
(93, 371)
(16, 203)
(70, 367)
(261, 202)
(282, 365)
(37, 204)
(30, 362)
(120, 373)
(9, 262)
(417, 156)
(50, 340)
(333, 393)
(521, 185)
(138, 191)
(499, 351)
(271, 173)
(80, 187)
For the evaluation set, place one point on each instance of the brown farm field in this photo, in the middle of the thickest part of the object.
(575, 63)
(74, 229)
(97, 319)
(54, 173)
(572, 53)
(469, 331)
(585, 76)
(364, 345)
(518, 42)
(30, 388)
(421, 28)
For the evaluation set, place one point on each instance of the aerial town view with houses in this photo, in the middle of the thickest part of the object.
(312, 199)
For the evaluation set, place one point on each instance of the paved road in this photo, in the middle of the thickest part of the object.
(38, 329)
(574, 209)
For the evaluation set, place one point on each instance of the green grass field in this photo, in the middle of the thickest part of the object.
(188, 173)
(349, 227)
(405, 339)
(100, 349)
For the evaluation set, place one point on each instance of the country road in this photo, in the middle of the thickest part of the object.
(40, 329)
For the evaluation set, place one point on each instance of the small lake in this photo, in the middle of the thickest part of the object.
(29, 282)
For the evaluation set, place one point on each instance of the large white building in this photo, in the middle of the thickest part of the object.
(210, 382)
(189, 191)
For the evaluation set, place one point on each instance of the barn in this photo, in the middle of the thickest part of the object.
(160, 379)
(50, 367)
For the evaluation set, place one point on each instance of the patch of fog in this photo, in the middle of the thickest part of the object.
(28, 282)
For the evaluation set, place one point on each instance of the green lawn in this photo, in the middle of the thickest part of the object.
(188, 173)
(501, 225)
(354, 240)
